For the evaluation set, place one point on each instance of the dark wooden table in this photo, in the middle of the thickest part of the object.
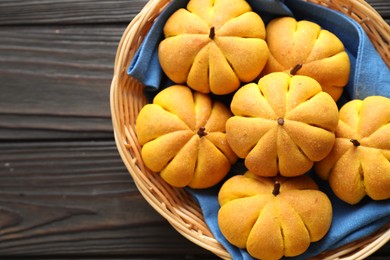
(64, 191)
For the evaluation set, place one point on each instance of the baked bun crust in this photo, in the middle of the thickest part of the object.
(320, 53)
(213, 45)
(359, 163)
(282, 124)
(182, 135)
(271, 226)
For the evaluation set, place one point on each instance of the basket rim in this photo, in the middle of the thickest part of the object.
(123, 128)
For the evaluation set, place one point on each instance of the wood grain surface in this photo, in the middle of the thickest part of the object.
(75, 198)
(57, 77)
(64, 191)
(21, 12)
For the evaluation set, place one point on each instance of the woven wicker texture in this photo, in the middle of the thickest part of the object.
(176, 205)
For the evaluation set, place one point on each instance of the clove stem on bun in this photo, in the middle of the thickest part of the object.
(202, 131)
(355, 142)
(212, 33)
(276, 190)
(294, 70)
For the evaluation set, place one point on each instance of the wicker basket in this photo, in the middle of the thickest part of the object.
(176, 205)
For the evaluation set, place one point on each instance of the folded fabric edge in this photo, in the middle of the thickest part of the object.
(145, 66)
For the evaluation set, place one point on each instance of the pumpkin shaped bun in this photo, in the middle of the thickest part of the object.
(282, 124)
(182, 135)
(359, 163)
(273, 217)
(213, 45)
(303, 48)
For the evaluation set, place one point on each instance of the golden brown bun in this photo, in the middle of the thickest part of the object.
(362, 166)
(319, 51)
(174, 142)
(270, 226)
(282, 124)
(213, 45)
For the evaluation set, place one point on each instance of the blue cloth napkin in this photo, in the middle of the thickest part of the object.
(369, 76)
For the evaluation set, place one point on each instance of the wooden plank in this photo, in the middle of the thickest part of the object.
(56, 78)
(90, 11)
(57, 70)
(26, 126)
(76, 198)
(382, 7)
(68, 11)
